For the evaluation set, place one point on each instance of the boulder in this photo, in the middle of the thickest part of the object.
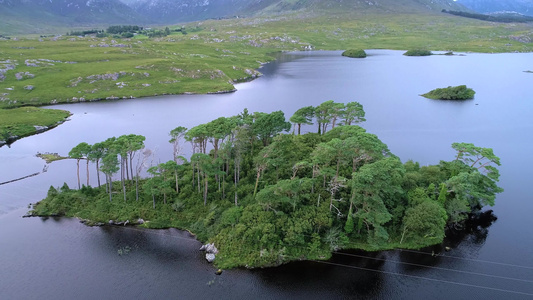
(210, 248)
(210, 257)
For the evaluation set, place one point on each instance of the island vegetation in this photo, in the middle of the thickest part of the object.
(354, 53)
(418, 52)
(461, 92)
(265, 197)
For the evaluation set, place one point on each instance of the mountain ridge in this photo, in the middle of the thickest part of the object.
(169, 11)
(33, 16)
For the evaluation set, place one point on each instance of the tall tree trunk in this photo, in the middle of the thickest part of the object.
(87, 172)
(198, 179)
(217, 178)
(235, 180)
(131, 165)
(126, 168)
(223, 185)
(205, 190)
(106, 184)
(122, 179)
(238, 170)
(174, 151)
(153, 200)
(331, 200)
(299, 127)
(177, 185)
(78, 172)
(257, 181)
(109, 180)
(98, 171)
(403, 234)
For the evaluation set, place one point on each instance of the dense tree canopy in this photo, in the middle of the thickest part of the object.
(265, 197)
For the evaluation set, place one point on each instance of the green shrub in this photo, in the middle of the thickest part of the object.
(418, 52)
(460, 92)
(354, 53)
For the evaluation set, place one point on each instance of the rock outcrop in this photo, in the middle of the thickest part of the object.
(210, 251)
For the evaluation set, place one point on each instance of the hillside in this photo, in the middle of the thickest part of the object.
(46, 16)
(170, 11)
(58, 16)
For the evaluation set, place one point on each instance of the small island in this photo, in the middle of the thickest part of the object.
(418, 52)
(257, 197)
(354, 53)
(460, 92)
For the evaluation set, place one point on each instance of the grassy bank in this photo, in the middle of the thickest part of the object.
(24, 121)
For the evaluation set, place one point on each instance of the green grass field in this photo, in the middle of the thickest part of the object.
(20, 122)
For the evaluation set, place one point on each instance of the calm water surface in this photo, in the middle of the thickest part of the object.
(63, 259)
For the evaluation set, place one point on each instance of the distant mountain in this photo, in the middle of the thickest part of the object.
(174, 11)
(524, 7)
(37, 14)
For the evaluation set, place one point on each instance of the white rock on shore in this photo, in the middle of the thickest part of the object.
(210, 250)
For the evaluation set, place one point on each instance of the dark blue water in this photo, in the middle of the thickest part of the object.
(64, 259)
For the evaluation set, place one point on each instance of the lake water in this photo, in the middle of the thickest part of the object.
(63, 259)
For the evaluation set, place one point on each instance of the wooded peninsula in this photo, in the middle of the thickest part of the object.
(265, 197)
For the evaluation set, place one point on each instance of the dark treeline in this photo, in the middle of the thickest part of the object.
(119, 29)
(507, 18)
(127, 31)
(85, 32)
(264, 197)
